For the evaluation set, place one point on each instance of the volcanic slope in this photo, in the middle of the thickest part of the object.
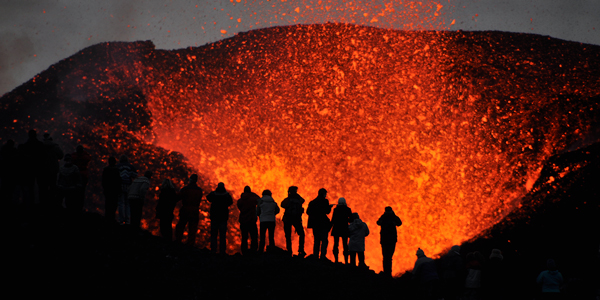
(449, 128)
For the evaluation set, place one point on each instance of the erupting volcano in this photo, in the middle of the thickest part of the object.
(451, 129)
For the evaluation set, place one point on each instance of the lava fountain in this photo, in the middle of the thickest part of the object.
(451, 129)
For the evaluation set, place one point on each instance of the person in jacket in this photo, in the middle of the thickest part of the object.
(474, 271)
(167, 199)
(266, 210)
(550, 280)
(220, 201)
(388, 237)
(68, 183)
(81, 159)
(111, 187)
(137, 196)
(49, 171)
(189, 213)
(317, 212)
(247, 206)
(425, 275)
(292, 217)
(342, 216)
(32, 154)
(128, 172)
(358, 231)
(452, 273)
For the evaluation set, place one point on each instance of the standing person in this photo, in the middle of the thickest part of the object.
(388, 237)
(137, 196)
(81, 159)
(220, 201)
(32, 154)
(550, 280)
(358, 231)
(425, 275)
(167, 199)
(317, 212)
(452, 273)
(49, 171)
(189, 213)
(293, 217)
(68, 183)
(247, 206)
(111, 187)
(342, 216)
(9, 172)
(473, 275)
(267, 209)
(128, 172)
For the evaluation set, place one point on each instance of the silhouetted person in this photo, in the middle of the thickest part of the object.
(127, 172)
(9, 172)
(358, 231)
(388, 237)
(32, 158)
(452, 273)
(425, 275)
(293, 217)
(137, 196)
(266, 210)
(493, 279)
(247, 206)
(189, 213)
(474, 267)
(69, 184)
(167, 200)
(81, 159)
(317, 212)
(49, 171)
(342, 216)
(220, 201)
(550, 280)
(111, 187)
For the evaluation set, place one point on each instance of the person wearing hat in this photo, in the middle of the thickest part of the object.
(425, 275)
(342, 216)
(266, 210)
(220, 200)
(388, 237)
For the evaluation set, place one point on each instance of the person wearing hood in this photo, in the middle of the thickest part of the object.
(293, 217)
(550, 280)
(388, 237)
(68, 183)
(425, 275)
(342, 216)
(137, 195)
(358, 231)
(247, 206)
(266, 210)
(220, 200)
(317, 212)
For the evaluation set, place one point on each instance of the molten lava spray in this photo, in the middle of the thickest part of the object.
(450, 129)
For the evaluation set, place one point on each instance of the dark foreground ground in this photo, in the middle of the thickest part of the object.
(51, 255)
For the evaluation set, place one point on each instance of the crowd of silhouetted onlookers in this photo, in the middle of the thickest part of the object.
(40, 169)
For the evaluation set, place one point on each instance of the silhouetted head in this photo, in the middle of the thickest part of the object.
(420, 253)
(193, 178)
(123, 159)
(551, 264)
(496, 254)
(355, 216)
(167, 183)
(389, 209)
(221, 185)
(266, 193)
(247, 189)
(342, 201)
(112, 161)
(292, 190)
(455, 248)
(323, 192)
(32, 134)
(148, 174)
(79, 149)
